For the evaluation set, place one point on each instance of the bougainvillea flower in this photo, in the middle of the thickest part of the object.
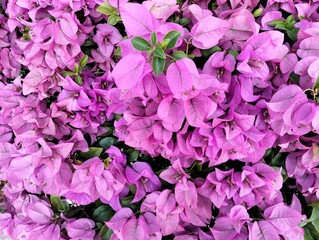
(81, 229)
(231, 226)
(144, 179)
(159, 119)
(207, 32)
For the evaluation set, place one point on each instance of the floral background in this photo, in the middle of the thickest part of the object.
(159, 119)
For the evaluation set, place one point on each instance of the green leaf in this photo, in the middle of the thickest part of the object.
(84, 61)
(78, 80)
(158, 52)
(113, 19)
(284, 174)
(290, 22)
(281, 26)
(103, 214)
(26, 34)
(89, 43)
(132, 155)
(301, 17)
(199, 167)
(295, 78)
(67, 73)
(191, 56)
(132, 188)
(273, 23)
(209, 52)
(312, 231)
(179, 55)
(290, 19)
(191, 167)
(307, 235)
(172, 36)
(99, 225)
(314, 214)
(107, 235)
(72, 212)
(214, 6)
(302, 223)
(153, 38)
(93, 152)
(57, 203)
(103, 229)
(315, 223)
(126, 202)
(184, 21)
(316, 84)
(106, 163)
(314, 218)
(269, 154)
(118, 51)
(117, 116)
(150, 52)
(314, 204)
(76, 68)
(158, 65)
(292, 34)
(233, 52)
(141, 44)
(106, 9)
(258, 12)
(176, 20)
(277, 160)
(107, 142)
(164, 43)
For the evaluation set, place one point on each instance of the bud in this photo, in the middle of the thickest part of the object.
(258, 12)
(164, 43)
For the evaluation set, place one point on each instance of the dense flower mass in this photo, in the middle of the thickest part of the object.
(137, 120)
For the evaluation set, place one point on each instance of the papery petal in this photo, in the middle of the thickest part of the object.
(39, 213)
(284, 97)
(119, 219)
(263, 230)
(171, 111)
(128, 72)
(197, 109)
(138, 21)
(180, 76)
(208, 32)
(282, 217)
(132, 230)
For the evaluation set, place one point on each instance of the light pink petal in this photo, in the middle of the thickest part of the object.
(284, 98)
(208, 32)
(313, 69)
(263, 230)
(180, 76)
(171, 111)
(34, 78)
(138, 21)
(282, 217)
(39, 213)
(128, 72)
(68, 25)
(119, 219)
(5, 134)
(309, 47)
(197, 109)
(132, 230)
(288, 63)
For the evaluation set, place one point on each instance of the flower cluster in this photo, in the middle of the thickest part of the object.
(157, 119)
